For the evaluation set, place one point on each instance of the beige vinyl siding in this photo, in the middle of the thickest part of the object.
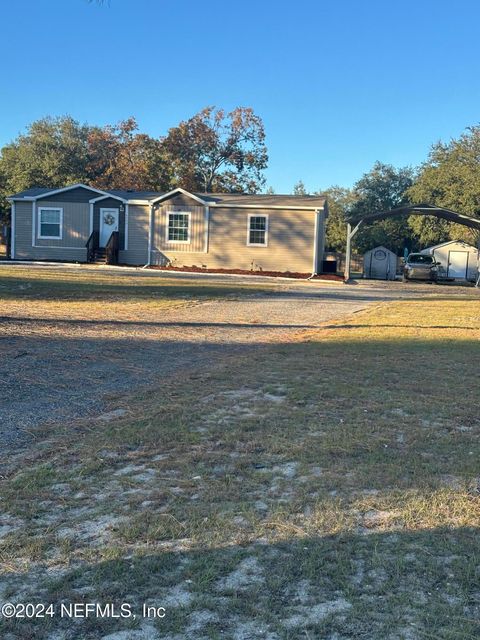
(290, 246)
(138, 221)
(197, 228)
(71, 247)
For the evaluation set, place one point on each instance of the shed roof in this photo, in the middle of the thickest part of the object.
(383, 248)
(445, 244)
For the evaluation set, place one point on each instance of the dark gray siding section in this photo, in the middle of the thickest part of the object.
(73, 195)
(71, 248)
(138, 222)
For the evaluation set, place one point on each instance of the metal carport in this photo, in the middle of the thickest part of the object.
(354, 224)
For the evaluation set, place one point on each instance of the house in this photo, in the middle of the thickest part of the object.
(79, 223)
(457, 259)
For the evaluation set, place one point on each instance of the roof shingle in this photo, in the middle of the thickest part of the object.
(218, 199)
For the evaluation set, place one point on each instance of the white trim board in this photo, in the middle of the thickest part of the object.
(165, 196)
(12, 232)
(125, 234)
(58, 247)
(315, 244)
(91, 218)
(33, 223)
(221, 205)
(207, 229)
(265, 207)
(108, 195)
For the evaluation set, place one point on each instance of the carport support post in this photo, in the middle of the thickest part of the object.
(348, 255)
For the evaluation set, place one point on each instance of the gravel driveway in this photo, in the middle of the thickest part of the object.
(64, 369)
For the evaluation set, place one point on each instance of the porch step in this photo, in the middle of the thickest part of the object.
(100, 256)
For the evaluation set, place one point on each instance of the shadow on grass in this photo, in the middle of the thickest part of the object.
(60, 322)
(85, 286)
(403, 584)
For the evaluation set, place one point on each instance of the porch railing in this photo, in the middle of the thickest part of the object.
(92, 244)
(112, 248)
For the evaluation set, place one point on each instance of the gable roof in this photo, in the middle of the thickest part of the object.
(255, 201)
(37, 192)
(30, 193)
(265, 200)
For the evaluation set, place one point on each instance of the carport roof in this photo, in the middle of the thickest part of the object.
(422, 210)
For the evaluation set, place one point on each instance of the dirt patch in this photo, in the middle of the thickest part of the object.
(315, 613)
(243, 272)
(248, 574)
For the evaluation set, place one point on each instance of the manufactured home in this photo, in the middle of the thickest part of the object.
(79, 223)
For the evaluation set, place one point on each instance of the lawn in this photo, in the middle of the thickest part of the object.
(325, 487)
(51, 292)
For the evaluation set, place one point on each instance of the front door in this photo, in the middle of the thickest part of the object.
(457, 264)
(108, 224)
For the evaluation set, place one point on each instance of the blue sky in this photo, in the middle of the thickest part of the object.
(339, 84)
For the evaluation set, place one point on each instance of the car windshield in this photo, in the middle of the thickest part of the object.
(420, 258)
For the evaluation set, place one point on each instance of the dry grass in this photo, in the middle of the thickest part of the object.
(323, 488)
(53, 293)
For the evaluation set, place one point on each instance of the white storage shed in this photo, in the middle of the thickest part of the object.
(380, 264)
(457, 259)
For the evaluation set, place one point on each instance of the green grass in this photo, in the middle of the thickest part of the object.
(320, 488)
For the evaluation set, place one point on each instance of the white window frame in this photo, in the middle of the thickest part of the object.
(182, 213)
(39, 223)
(257, 215)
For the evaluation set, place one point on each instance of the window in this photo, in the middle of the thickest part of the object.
(419, 258)
(257, 230)
(50, 223)
(178, 227)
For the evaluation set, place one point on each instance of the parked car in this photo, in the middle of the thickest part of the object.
(419, 266)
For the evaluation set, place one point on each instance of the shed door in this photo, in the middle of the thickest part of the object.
(457, 264)
(379, 265)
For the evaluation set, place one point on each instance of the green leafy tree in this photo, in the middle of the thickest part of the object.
(53, 152)
(340, 201)
(56, 152)
(450, 178)
(299, 189)
(383, 188)
(219, 151)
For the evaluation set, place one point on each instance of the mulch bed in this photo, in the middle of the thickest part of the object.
(244, 272)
